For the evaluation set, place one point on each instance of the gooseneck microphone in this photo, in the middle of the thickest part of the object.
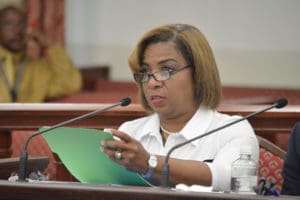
(165, 170)
(24, 155)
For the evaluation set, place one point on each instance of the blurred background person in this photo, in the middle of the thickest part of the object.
(291, 168)
(27, 79)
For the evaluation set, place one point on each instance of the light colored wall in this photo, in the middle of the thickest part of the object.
(256, 42)
(17, 3)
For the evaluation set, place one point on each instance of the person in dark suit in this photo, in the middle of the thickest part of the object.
(291, 168)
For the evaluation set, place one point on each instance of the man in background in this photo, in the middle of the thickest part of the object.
(25, 79)
(291, 168)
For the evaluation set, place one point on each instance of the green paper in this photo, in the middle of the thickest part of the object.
(79, 150)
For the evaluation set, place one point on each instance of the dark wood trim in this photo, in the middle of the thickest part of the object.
(32, 116)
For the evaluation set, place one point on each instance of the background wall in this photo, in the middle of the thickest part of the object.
(17, 3)
(256, 42)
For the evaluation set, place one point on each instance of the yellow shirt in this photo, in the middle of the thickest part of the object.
(39, 80)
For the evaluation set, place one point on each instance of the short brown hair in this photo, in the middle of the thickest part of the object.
(197, 52)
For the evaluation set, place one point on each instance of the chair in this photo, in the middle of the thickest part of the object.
(271, 159)
(37, 147)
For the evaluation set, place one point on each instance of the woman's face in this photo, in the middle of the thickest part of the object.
(174, 97)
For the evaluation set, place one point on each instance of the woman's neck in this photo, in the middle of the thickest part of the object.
(175, 124)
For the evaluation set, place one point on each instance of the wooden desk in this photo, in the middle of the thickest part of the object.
(60, 191)
(271, 125)
(17, 116)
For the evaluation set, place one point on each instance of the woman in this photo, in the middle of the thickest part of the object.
(179, 86)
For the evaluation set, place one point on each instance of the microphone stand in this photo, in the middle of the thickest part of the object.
(166, 169)
(24, 155)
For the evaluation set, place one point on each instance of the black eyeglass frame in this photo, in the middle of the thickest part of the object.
(144, 77)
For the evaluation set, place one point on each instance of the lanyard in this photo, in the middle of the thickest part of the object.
(14, 89)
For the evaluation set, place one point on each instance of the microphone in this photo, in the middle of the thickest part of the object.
(24, 155)
(165, 170)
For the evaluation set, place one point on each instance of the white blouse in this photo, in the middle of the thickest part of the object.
(223, 147)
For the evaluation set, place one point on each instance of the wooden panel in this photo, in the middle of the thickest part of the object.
(5, 143)
(272, 124)
(91, 74)
(32, 116)
(9, 165)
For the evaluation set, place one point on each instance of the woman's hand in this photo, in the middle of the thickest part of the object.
(133, 155)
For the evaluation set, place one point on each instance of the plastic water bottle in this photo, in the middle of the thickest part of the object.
(244, 173)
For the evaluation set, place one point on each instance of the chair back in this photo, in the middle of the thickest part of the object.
(271, 159)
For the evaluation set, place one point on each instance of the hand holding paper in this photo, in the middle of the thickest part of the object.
(78, 148)
(127, 151)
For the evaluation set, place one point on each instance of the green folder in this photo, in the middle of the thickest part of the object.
(79, 150)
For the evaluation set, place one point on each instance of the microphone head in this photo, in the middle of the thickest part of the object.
(125, 102)
(280, 103)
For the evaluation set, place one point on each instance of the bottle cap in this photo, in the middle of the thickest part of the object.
(245, 150)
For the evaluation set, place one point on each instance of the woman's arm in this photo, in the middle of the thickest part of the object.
(135, 158)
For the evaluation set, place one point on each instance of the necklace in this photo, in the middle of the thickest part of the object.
(166, 131)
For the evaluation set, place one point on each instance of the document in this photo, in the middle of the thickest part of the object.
(79, 150)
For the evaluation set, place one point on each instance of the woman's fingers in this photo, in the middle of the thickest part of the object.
(127, 151)
(122, 136)
(112, 152)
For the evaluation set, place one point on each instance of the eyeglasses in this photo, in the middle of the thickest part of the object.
(163, 75)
